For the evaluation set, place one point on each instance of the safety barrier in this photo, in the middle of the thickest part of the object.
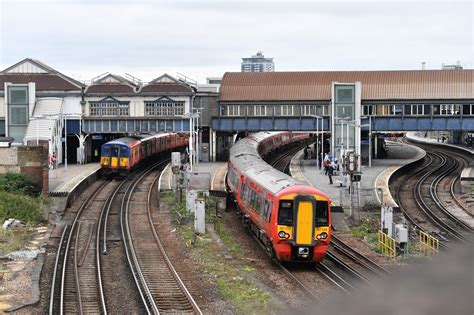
(387, 245)
(429, 245)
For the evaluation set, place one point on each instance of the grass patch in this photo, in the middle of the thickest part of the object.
(233, 280)
(178, 209)
(13, 240)
(25, 208)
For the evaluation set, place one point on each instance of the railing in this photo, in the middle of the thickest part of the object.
(387, 245)
(429, 245)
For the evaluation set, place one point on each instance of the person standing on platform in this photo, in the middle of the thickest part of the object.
(332, 166)
(326, 164)
(320, 160)
(305, 151)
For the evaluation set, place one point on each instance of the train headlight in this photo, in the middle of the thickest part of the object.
(287, 235)
(324, 235)
(281, 234)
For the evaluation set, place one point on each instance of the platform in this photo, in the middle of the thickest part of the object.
(374, 180)
(63, 181)
(217, 170)
(415, 136)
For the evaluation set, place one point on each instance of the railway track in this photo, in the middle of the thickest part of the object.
(111, 225)
(158, 283)
(418, 194)
(76, 286)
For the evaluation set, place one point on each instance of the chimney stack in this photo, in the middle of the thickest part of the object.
(423, 65)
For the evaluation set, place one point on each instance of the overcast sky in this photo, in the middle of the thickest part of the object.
(145, 38)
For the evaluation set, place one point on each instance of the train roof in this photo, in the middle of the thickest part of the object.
(124, 140)
(141, 138)
(244, 156)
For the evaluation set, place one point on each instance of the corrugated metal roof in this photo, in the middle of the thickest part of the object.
(376, 85)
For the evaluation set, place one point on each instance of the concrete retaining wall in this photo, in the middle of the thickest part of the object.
(29, 160)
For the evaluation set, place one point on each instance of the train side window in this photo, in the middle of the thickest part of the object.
(285, 212)
(267, 210)
(321, 218)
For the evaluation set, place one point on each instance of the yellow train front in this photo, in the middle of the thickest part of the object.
(120, 156)
(300, 229)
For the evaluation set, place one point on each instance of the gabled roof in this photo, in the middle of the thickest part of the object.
(376, 85)
(166, 84)
(110, 99)
(45, 77)
(111, 83)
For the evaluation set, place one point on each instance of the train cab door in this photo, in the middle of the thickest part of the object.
(304, 209)
(114, 156)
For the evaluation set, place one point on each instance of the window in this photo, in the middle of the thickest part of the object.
(436, 109)
(344, 94)
(321, 218)
(344, 111)
(466, 109)
(285, 212)
(18, 115)
(427, 109)
(286, 110)
(115, 151)
(105, 151)
(309, 110)
(450, 109)
(109, 108)
(397, 109)
(123, 152)
(168, 108)
(260, 110)
(368, 110)
(417, 109)
(267, 210)
(18, 95)
(407, 109)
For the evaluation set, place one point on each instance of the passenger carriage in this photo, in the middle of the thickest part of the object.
(290, 218)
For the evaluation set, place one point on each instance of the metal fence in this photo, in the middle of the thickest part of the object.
(429, 245)
(387, 245)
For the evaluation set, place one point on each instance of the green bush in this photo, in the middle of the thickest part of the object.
(17, 183)
(24, 208)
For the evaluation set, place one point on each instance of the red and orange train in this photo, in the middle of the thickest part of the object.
(124, 154)
(290, 218)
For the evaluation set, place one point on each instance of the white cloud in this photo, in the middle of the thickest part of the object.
(206, 38)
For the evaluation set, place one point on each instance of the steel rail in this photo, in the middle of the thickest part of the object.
(188, 295)
(333, 277)
(366, 262)
(341, 264)
(68, 243)
(102, 224)
(434, 192)
(429, 212)
(140, 282)
(55, 271)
